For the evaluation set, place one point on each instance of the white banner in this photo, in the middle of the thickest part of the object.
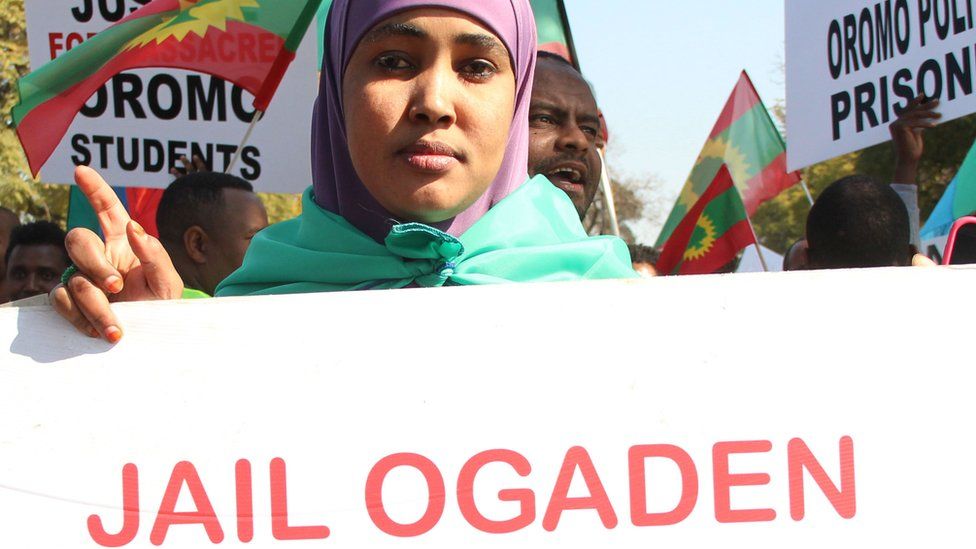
(852, 65)
(752, 411)
(141, 122)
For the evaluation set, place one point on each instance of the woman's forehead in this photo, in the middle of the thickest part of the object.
(424, 22)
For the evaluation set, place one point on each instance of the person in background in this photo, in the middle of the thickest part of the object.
(907, 137)
(8, 221)
(644, 259)
(206, 221)
(795, 258)
(858, 222)
(564, 127)
(35, 259)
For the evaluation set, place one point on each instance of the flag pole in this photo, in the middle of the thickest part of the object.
(806, 190)
(608, 194)
(570, 44)
(247, 137)
(755, 237)
(281, 63)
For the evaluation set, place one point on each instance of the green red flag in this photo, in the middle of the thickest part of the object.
(247, 42)
(141, 204)
(711, 233)
(746, 140)
(552, 25)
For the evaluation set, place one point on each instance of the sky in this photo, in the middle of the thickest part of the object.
(663, 71)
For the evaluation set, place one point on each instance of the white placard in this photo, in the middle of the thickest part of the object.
(375, 415)
(142, 121)
(851, 65)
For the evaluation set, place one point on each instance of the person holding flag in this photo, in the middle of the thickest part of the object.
(420, 148)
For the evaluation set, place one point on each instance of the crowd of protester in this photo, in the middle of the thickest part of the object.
(206, 220)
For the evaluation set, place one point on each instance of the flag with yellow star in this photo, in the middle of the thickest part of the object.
(747, 142)
(711, 233)
(247, 42)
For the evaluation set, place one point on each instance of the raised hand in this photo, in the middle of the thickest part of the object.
(907, 136)
(129, 265)
(196, 166)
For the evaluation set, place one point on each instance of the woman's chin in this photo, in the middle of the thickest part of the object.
(433, 211)
(431, 214)
(433, 202)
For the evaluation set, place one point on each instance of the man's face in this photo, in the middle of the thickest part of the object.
(564, 124)
(33, 270)
(243, 216)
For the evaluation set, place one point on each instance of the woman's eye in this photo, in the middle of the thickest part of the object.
(392, 63)
(479, 69)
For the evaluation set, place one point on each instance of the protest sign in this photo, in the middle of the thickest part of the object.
(853, 65)
(754, 411)
(137, 126)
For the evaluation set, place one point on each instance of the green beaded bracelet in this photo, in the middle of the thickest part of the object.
(71, 271)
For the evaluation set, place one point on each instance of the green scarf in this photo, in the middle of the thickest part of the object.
(533, 235)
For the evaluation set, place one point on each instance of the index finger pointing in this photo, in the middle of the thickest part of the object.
(112, 216)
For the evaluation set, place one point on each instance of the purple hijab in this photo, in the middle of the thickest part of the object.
(337, 188)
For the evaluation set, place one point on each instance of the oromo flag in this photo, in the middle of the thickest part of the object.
(552, 25)
(139, 202)
(746, 140)
(711, 233)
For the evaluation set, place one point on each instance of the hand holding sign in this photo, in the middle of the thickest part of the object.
(906, 135)
(129, 265)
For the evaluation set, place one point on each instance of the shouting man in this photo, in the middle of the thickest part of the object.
(564, 127)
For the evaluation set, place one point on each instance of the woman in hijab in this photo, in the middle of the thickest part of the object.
(420, 144)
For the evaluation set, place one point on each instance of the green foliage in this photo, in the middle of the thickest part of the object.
(281, 207)
(18, 191)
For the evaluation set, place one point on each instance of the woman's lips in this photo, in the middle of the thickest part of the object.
(430, 157)
(433, 163)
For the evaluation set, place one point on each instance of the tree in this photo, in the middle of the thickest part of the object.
(281, 207)
(637, 202)
(18, 190)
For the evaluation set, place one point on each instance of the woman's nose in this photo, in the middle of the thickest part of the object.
(433, 97)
